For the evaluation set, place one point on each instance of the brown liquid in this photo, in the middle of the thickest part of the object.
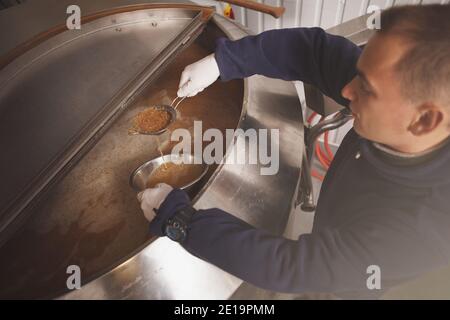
(175, 175)
(158, 142)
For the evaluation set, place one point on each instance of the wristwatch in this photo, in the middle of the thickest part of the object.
(176, 227)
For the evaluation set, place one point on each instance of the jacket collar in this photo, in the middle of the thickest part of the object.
(427, 169)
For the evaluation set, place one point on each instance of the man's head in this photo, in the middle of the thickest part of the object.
(401, 96)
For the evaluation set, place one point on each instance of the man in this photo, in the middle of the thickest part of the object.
(386, 198)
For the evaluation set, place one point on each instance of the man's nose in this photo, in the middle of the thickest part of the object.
(348, 92)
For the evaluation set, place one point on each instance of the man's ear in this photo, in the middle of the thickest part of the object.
(428, 118)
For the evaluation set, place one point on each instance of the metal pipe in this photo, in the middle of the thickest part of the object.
(305, 196)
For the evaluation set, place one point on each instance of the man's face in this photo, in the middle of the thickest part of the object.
(382, 114)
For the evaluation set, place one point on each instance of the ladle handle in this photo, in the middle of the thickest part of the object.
(176, 103)
(275, 12)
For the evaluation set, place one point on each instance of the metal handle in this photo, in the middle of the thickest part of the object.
(177, 103)
(275, 12)
(305, 193)
(305, 196)
(341, 118)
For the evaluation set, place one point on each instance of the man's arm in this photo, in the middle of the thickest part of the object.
(306, 54)
(332, 260)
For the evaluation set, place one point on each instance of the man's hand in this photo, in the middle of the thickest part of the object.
(198, 76)
(151, 199)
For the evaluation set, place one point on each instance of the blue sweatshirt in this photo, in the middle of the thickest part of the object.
(372, 210)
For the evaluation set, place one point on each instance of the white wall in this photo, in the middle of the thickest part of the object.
(308, 13)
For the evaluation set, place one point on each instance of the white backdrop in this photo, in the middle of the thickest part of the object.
(309, 13)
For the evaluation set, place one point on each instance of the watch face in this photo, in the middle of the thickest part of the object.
(175, 232)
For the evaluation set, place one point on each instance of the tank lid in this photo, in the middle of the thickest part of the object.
(60, 91)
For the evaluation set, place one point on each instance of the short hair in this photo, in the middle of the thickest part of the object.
(425, 68)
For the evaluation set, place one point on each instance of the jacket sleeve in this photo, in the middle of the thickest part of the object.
(333, 260)
(307, 54)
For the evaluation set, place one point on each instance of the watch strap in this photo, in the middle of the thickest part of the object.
(185, 214)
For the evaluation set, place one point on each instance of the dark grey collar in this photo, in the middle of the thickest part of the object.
(405, 159)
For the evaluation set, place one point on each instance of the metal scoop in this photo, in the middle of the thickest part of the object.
(171, 110)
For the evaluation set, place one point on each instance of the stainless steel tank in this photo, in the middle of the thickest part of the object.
(67, 99)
